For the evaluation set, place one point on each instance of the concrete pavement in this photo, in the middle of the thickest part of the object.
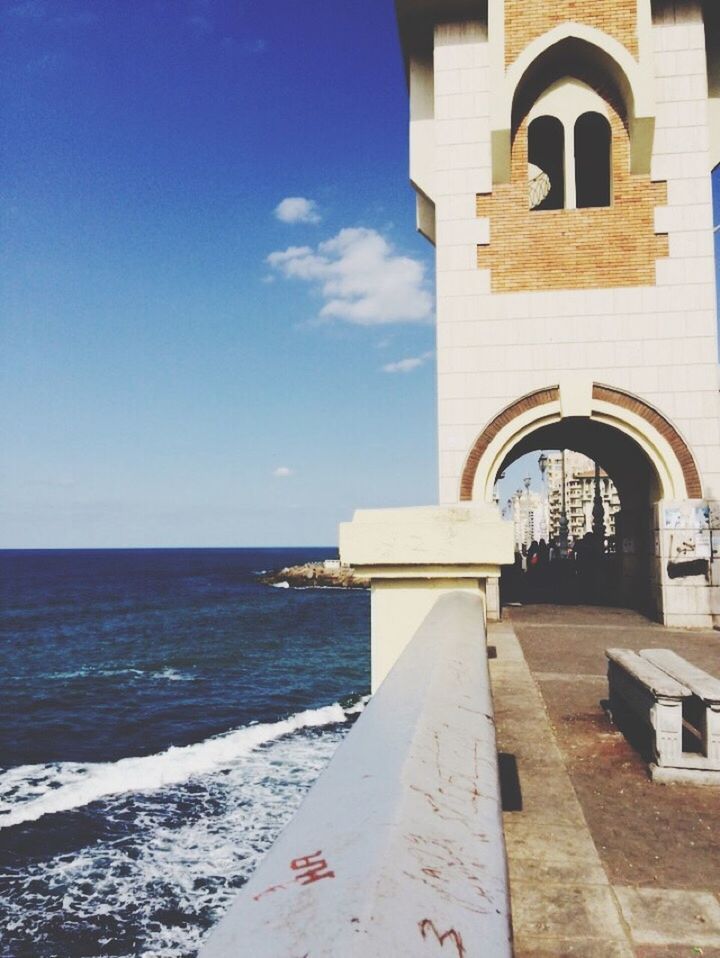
(603, 863)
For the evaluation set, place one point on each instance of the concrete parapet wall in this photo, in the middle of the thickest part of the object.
(398, 849)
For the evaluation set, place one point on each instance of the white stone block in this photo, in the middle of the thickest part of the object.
(462, 156)
(518, 304)
(459, 309)
(462, 107)
(697, 350)
(658, 352)
(599, 302)
(688, 405)
(448, 489)
(457, 258)
(681, 140)
(710, 405)
(448, 82)
(448, 132)
(665, 219)
(643, 380)
(669, 166)
(457, 439)
(627, 301)
(670, 272)
(452, 386)
(692, 113)
(689, 62)
(477, 81)
(695, 164)
(453, 411)
(691, 244)
(692, 192)
(482, 106)
(665, 62)
(469, 232)
(454, 56)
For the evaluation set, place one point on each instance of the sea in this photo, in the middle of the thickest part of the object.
(162, 715)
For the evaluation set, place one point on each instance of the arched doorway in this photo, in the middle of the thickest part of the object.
(634, 444)
(593, 568)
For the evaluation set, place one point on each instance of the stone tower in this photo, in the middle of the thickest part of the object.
(561, 152)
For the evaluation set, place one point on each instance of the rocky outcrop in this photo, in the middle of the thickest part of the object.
(315, 575)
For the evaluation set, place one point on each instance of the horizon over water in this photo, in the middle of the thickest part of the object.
(163, 714)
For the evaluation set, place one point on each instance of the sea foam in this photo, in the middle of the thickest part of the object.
(168, 867)
(28, 792)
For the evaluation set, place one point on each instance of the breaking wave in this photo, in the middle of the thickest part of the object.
(28, 792)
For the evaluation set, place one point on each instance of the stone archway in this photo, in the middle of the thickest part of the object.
(677, 473)
(637, 446)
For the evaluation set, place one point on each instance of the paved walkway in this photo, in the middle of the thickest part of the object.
(603, 863)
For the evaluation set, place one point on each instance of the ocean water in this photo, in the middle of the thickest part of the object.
(162, 715)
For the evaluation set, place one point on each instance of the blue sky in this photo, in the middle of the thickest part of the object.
(217, 322)
(165, 379)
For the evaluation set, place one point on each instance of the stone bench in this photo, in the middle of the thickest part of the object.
(671, 696)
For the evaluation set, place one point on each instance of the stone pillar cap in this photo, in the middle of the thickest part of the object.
(472, 535)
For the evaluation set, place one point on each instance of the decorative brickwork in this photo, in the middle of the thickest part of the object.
(525, 20)
(666, 430)
(603, 394)
(531, 401)
(574, 249)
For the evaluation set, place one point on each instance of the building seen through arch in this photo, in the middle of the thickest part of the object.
(561, 154)
(577, 474)
(536, 515)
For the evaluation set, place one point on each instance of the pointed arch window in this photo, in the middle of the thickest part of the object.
(569, 148)
(546, 163)
(593, 161)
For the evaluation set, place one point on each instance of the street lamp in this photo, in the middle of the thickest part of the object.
(496, 491)
(563, 524)
(510, 514)
(598, 512)
(528, 531)
(542, 466)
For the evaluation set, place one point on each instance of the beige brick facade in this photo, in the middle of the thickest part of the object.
(527, 19)
(573, 249)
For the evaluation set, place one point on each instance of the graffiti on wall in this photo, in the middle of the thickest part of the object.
(691, 540)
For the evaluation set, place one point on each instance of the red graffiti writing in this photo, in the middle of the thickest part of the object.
(311, 868)
(269, 891)
(426, 925)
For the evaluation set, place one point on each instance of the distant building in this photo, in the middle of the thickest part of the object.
(579, 495)
(530, 517)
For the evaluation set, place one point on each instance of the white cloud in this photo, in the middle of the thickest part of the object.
(361, 278)
(297, 209)
(408, 365)
(282, 472)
